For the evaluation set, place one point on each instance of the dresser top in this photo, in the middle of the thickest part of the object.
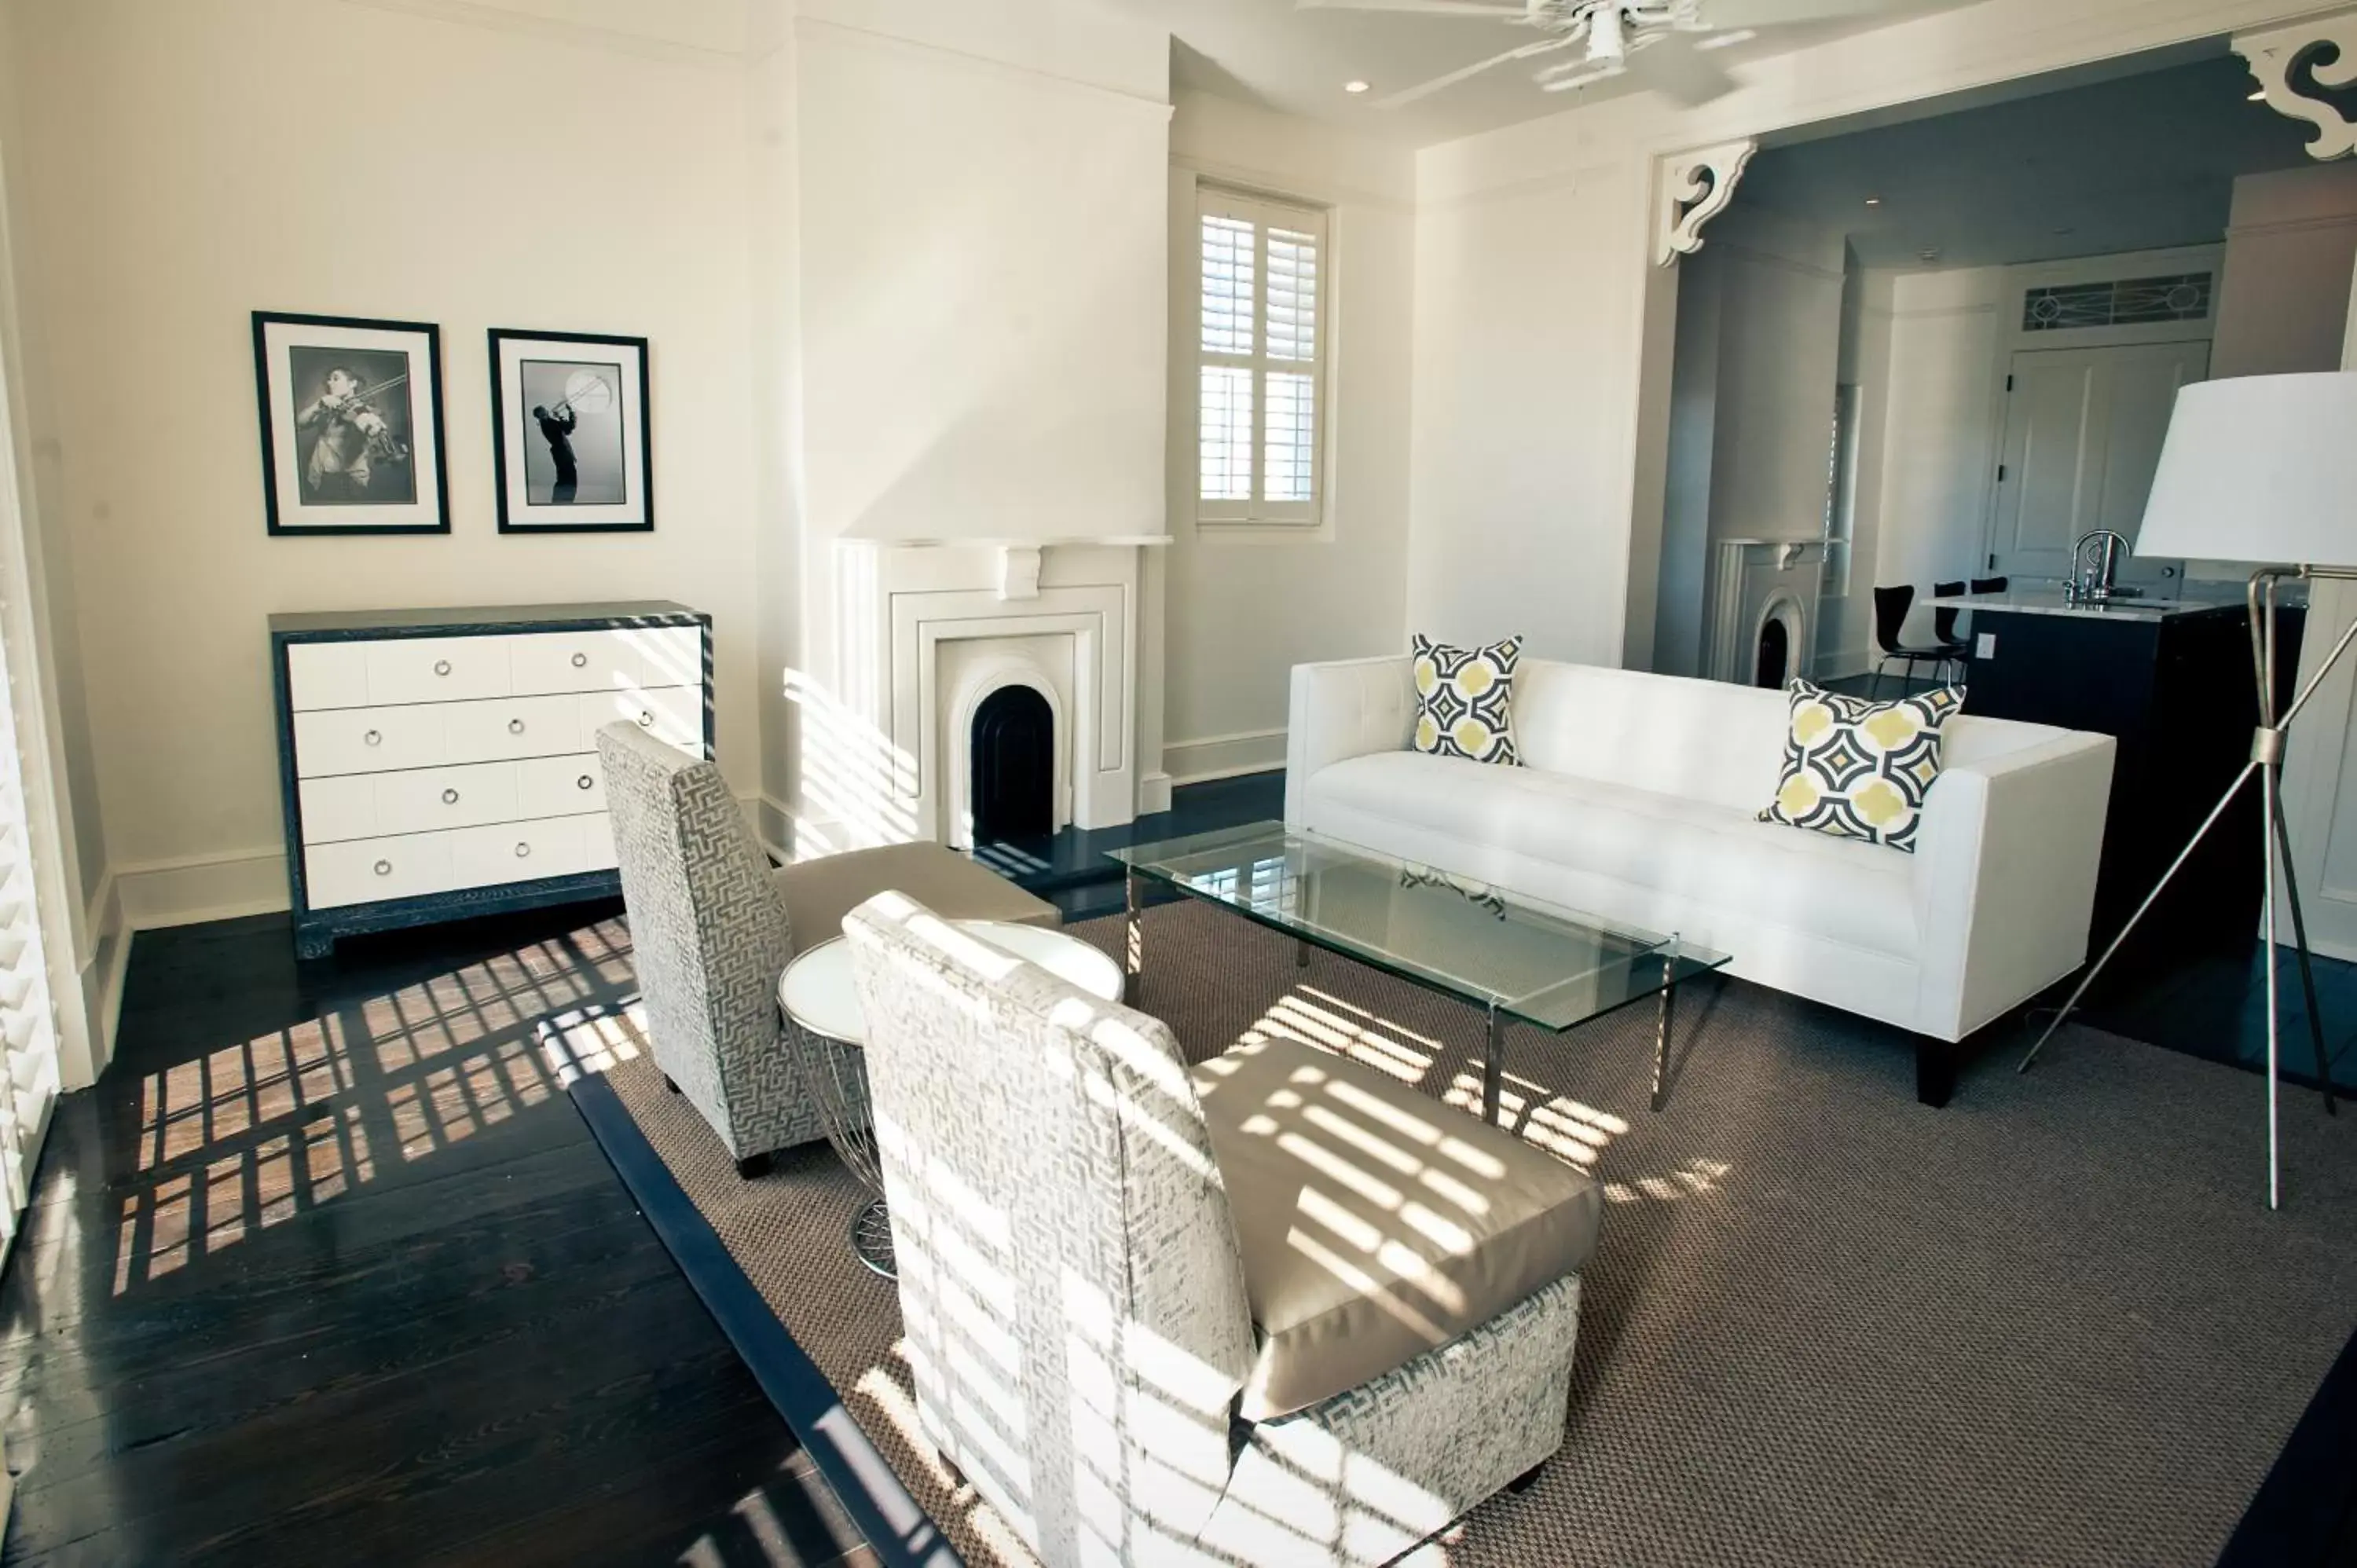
(488, 617)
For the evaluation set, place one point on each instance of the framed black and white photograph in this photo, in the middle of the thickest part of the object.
(570, 432)
(351, 425)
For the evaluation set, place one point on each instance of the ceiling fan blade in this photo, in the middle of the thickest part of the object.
(1426, 89)
(1578, 79)
(1725, 14)
(1422, 8)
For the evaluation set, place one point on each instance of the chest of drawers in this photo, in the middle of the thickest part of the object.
(438, 764)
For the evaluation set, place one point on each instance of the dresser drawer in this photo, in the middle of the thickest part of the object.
(364, 805)
(437, 668)
(560, 786)
(327, 675)
(669, 655)
(598, 843)
(365, 870)
(515, 727)
(589, 661)
(516, 852)
(368, 740)
(674, 713)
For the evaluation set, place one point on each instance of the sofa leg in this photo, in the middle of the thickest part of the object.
(1526, 1480)
(1935, 1072)
(753, 1166)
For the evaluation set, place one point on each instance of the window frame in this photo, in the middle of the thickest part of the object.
(1263, 211)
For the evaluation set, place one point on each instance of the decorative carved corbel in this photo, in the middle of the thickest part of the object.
(2284, 59)
(1694, 185)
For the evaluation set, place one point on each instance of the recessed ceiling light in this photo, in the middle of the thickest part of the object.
(1355, 86)
(1874, 201)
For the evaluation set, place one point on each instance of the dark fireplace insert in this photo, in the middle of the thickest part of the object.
(1013, 789)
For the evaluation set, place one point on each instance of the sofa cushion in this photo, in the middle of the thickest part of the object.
(1838, 889)
(1857, 768)
(1376, 1223)
(1464, 700)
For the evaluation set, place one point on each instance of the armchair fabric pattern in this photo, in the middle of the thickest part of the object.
(710, 933)
(1073, 1293)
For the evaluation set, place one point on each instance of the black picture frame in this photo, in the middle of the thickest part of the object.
(516, 354)
(427, 500)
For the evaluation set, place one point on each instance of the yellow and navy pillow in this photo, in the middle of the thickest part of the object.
(1464, 700)
(1860, 769)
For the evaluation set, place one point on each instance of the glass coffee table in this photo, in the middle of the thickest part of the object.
(1516, 959)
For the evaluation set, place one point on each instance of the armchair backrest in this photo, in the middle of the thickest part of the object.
(1069, 1279)
(707, 925)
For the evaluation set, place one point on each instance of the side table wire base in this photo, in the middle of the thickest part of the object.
(871, 1237)
(835, 1078)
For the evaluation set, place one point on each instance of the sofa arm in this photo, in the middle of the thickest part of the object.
(2004, 885)
(1348, 708)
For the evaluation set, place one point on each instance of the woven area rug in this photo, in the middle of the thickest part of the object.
(2053, 1323)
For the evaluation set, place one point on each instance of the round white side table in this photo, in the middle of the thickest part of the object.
(819, 1001)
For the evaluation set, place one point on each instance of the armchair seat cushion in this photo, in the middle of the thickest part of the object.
(1375, 1222)
(820, 893)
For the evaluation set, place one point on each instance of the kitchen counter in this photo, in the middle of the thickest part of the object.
(2051, 602)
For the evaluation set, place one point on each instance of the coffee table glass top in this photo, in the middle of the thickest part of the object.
(1544, 965)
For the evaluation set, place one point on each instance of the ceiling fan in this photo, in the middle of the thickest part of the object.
(1613, 31)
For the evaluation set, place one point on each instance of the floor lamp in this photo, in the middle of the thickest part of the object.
(2258, 468)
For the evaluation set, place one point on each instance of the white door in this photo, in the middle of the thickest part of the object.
(2083, 431)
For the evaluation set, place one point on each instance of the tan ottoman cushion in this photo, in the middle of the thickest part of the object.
(820, 893)
(1375, 1222)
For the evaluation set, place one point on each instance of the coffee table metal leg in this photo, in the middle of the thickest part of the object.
(1662, 1049)
(1132, 963)
(1302, 953)
(1493, 1066)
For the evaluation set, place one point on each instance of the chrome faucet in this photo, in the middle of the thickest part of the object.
(2094, 574)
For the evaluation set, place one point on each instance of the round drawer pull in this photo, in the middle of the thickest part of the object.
(450, 797)
(441, 667)
(586, 782)
(523, 850)
(580, 661)
(646, 719)
(384, 868)
(374, 737)
(515, 726)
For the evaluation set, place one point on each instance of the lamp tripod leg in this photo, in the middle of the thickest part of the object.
(2275, 1041)
(2307, 972)
(2151, 898)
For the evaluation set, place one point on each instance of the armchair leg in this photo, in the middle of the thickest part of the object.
(670, 1084)
(752, 1166)
(1526, 1480)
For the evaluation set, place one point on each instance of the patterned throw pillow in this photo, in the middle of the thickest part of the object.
(1464, 699)
(1860, 769)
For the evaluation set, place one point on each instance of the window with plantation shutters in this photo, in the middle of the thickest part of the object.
(28, 1043)
(1260, 350)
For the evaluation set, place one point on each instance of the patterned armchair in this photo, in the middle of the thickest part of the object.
(710, 932)
(1096, 1314)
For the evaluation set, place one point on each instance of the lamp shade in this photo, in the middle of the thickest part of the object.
(2260, 468)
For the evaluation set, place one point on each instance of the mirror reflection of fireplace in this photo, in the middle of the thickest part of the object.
(1775, 651)
(1014, 750)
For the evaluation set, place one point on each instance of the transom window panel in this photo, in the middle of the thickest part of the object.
(1261, 350)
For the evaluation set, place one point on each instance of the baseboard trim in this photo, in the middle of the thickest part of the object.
(1224, 755)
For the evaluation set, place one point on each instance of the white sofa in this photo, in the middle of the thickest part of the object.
(1636, 802)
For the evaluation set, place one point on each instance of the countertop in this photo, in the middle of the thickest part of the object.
(2051, 602)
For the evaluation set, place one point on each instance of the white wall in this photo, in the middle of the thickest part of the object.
(184, 164)
(1535, 279)
(1244, 605)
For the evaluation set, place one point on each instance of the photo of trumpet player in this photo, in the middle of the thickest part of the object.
(572, 446)
(352, 425)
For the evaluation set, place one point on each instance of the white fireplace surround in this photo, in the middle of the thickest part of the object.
(931, 628)
(1754, 581)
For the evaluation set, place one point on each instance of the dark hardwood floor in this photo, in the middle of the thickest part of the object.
(328, 1269)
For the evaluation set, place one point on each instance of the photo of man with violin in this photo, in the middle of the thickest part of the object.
(351, 427)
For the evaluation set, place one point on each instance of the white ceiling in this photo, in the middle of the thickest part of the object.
(1269, 53)
(2137, 162)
